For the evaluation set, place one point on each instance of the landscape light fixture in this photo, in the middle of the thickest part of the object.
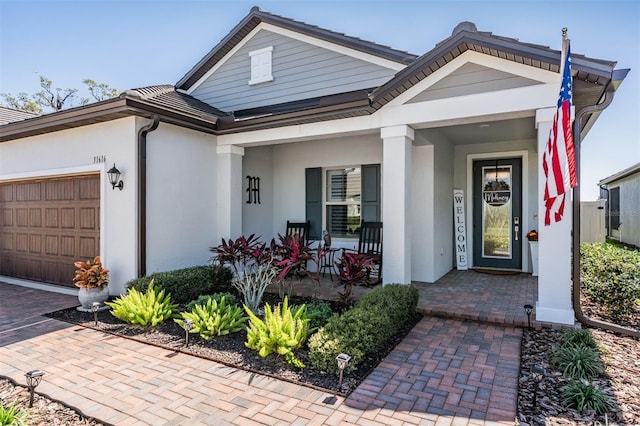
(528, 309)
(187, 324)
(33, 380)
(342, 360)
(95, 307)
(114, 178)
(538, 372)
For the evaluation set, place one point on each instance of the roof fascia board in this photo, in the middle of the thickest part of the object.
(84, 115)
(621, 174)
(469, 56)
(385, 63)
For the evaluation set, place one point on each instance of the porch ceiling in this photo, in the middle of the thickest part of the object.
(486, 131)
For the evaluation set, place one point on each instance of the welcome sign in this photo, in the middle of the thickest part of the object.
(460, 230)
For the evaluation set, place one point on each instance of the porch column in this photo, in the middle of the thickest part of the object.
(396, 203)
(554, 257)
(229, 186)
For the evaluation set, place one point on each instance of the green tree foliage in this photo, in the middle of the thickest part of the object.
(52, 99)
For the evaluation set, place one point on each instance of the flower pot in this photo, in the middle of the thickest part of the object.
(533, 249)
(87, 296)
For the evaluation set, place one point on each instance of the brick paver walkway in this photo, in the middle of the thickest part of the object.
(445, 372)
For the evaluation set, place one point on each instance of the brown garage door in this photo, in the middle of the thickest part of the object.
(45, 225)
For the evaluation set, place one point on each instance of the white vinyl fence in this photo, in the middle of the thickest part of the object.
(592, 221)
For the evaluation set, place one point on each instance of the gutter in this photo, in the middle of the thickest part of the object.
(575, 275)
(142, 193)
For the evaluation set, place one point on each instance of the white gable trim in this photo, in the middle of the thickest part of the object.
(303, 38)
(488, 61)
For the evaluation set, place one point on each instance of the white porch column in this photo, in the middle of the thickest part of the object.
(229, 186)
(396, 203)
(554, 261)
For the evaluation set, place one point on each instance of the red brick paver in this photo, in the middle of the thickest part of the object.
(446, 371)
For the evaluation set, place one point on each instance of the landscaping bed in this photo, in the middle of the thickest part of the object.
(231, 350)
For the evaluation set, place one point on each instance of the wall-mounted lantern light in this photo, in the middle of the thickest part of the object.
(114, 178)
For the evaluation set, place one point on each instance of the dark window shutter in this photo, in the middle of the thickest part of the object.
(614, 208)
(313, 200)
(371, 192)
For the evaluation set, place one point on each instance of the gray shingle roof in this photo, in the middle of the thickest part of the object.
(10, 115)
(166, 96)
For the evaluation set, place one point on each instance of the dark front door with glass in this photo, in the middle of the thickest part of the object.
(497, 213)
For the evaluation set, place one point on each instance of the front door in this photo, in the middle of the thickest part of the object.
(497, 213)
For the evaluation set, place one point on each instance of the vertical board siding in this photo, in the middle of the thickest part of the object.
(46, 225)
(300, 71)
(470, 79)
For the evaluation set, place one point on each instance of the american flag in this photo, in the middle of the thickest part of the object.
(559, 160)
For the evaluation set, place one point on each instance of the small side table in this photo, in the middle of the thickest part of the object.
(327, 260)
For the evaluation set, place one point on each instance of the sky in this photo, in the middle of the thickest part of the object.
(129, 44)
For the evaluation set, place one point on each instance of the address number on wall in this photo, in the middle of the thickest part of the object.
(98, 159)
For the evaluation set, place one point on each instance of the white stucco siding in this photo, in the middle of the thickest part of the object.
(291, 160)
(422, 213)
(181, 198)
(258, 218)
(443, 215)
(72, 151)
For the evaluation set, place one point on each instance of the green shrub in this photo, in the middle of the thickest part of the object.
(583, 395)
(148, 309)
(189, 283)
(230, 299)
(282, 331)
(577, 361)
(363, 329)
(611, 275)
(581, 337)
(402, 301)
(318, 314)
(13, 416)
(214, 318)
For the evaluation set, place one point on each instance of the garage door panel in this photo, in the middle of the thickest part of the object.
(35, 243)
(6, 193)
(67, 246)
(46, 225)
(22, 217)
(52, 245)
(51, 219)
(35, 218)
(22, 242)
(87, 218)
(68, 217)
(88, 189)
(28, 191)
(6, 217)
(6, 241)
(87, 246)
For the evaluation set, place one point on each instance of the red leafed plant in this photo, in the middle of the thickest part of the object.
(91, 274)
(354, 269)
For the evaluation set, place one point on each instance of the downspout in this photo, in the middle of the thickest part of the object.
(605, 187)
(142, 193)
(575, 276)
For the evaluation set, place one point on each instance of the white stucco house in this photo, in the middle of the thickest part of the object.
(288, 121)
(622, 192)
